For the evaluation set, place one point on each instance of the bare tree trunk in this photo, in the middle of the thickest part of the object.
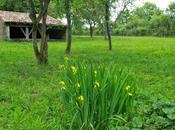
(91, 30)
(35, 46)
(44, 45)
(69, 26)
(105, 34)
(107, 17)
(42, 54)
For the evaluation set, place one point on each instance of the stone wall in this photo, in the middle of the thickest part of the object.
(2, 31)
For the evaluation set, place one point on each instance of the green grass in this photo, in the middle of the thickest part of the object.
(29, 94)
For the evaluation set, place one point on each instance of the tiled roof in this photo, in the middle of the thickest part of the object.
(18, 17)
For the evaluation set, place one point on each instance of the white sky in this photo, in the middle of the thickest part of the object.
(163, 4)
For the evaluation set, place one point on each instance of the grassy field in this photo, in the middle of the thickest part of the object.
(29, 94)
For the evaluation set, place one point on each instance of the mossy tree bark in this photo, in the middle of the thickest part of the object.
(69, 26)
(42, 53)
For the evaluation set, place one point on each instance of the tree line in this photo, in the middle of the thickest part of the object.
(147, 20)
(99, 17)
(91, 12)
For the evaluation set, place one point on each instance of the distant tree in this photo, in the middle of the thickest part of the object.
(122, 10)
(90, 12)
(22, 6)
(119, 26)
(160, 25)
(64, 10)
(14, 5)
(42, 53)
(109, 5)
(139, 20)
(171, 13)
(171, 9)
(147, 11)
(78, 26)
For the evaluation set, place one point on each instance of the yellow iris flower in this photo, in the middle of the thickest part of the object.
(95, 73)
(97, 84)
(77, 85)
(81, 98)
(62, 84)
(128, 88)
(74, 69)
(130, 94)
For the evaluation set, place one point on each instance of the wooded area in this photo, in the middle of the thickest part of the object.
(95, 17)
(145, 20)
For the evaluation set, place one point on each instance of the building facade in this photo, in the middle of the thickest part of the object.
(18, 26)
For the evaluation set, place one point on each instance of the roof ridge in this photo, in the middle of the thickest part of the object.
(23, 17)
(12, 11)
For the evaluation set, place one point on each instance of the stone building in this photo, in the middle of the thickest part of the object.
(18, 26)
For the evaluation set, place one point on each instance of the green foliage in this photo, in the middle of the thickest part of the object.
(147, 11)
(165, 109)
(30, 94)
(155, 114)
(96, 94)
(91, 12)
(14, 5)
(146, 20)
(171, 9)
(22, 6)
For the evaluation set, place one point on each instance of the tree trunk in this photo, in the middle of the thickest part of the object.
(34, 41)
(107, 17)
(69, 26)
(91, 30)
(105, 34)
(42, 54)
(44, 45)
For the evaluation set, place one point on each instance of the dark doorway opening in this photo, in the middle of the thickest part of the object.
(16, 33)
(20, 33)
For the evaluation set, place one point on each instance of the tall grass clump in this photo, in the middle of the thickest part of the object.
(95, 95)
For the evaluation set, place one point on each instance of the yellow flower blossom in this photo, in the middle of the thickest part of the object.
(62, 67)
(130, 94)
(63, 88)
(62, 84)
(74, 69)
(77, 85)
(128, 88)
(81, 98)
(95, 73)
(97, 84)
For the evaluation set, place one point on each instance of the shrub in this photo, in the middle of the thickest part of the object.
(95, 95)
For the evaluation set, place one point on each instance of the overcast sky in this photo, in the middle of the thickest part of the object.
(163, 4)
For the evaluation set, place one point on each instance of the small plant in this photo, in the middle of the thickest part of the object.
(95, 95)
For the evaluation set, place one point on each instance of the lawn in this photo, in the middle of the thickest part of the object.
(30, 96)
